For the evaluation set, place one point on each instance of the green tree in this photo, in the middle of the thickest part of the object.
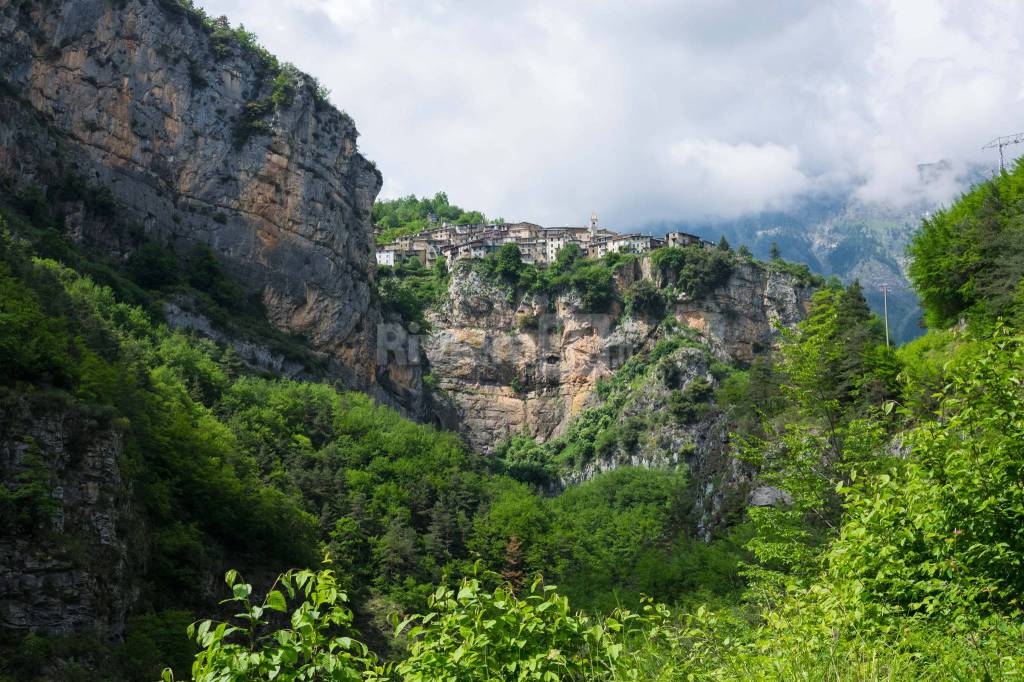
(644, 298)
(508, 263)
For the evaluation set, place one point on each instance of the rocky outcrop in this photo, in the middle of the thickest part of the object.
(65, 564)
(137, 104)
(507, 364)
(740, 319)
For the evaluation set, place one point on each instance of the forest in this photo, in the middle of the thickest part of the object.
(402, 555)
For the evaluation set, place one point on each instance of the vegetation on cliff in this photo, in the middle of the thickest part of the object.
(894, 552)
(408, 215)
(891, 547)
(226, 465)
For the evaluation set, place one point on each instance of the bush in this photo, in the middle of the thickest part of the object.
(968, 259)
(318, 645)
(644, 298)
(154, 266)
(694, 269)
(479, 634)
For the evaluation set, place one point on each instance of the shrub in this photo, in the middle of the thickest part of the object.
(154, 266)
(479, 634)
(644, 298)
(694, 269)
(317, 645)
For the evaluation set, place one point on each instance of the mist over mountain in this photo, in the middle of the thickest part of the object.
(842, 233)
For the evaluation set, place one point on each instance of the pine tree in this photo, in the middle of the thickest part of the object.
(723, 244)
(774, 252)
(232, 363)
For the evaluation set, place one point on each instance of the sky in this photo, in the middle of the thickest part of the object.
(654, 110)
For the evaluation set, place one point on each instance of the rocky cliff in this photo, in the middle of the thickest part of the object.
(60, 474)
(140, 113)
(506, 364)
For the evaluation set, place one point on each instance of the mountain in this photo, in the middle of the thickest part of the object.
(685, 464)
(197, 136)
(189, 299)
(848, 237)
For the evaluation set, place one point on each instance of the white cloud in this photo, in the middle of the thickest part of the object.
(657, 109)
(729, 180)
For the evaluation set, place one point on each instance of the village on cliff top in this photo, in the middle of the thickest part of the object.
(538, 245)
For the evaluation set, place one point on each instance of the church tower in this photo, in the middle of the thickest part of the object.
(593, 225)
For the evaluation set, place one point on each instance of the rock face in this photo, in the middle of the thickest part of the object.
(506, 365)
(196, 144)
(740, 319)
(76, 574)
(511, 366)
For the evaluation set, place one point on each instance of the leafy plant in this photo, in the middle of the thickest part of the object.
(477, 634)
(316, 645)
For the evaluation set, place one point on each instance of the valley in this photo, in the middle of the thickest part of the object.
(530, 454)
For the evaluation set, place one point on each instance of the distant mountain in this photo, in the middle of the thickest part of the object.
(844, 236)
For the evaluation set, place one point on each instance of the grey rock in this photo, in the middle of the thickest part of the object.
(77, 575)
(769, 496)
(132, 96)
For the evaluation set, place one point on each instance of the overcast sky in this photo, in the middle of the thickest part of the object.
(655, 110)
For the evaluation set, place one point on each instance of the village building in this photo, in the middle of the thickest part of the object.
(537, 245)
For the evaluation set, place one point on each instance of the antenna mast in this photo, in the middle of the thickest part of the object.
(885, 308)
(1001, 142)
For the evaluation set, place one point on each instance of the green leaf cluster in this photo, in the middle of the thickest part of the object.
(408, 215)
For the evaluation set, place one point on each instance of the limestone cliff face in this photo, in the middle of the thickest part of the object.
(739, 319)
(76, 573)
(137, 96)
(507, 365)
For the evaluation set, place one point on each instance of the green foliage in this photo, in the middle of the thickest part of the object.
(942, 535)
(252, 121)
(27, 505)
(799, 271)
(154, 266)
(607, 541)
(33, 346)
(156, 640)
(317, 646)
(409, 215)
(592, 280)
(409, 289)
(479, 634)
(691, 403)
(693, 269)
(644, 298)
(283, 87)
(834, 377)
(968, 259)
(508, 262)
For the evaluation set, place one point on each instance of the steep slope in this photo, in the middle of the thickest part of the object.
(145, 114)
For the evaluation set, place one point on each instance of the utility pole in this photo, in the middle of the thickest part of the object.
(1001, 142)
(885, 310)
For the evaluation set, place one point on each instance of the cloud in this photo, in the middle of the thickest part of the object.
(729, 180)
(658, 109)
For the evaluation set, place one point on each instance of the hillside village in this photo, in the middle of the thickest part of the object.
(538, 245)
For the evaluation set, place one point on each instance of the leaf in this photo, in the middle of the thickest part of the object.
(241, 590)
(276, 601)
